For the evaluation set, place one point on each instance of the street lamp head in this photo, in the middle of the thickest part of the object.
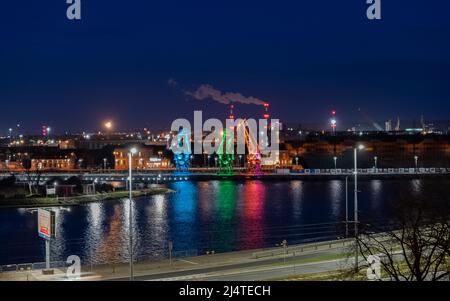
(133, 151)
(360, 146)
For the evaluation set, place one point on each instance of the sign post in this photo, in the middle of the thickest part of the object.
(51, 191)
(46, 230)
(47, 254)
(170, 251)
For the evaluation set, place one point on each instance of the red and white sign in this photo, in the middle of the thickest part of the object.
(46, 223)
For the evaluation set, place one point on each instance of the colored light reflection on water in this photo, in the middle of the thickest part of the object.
(223, 228)
(251, 222)
(204, 216)
(183, 214)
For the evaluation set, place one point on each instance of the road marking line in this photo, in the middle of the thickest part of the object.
(234, 272)
(184, 260)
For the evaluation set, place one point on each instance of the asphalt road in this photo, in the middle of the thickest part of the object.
(258, 270)
(265, 273)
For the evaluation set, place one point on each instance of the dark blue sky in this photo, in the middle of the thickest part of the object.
(304, 57)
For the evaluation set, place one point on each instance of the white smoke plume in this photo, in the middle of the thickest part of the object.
(209, 92)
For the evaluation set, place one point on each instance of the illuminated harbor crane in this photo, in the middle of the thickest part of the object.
(182, 159)
(252, 148)
(225, 159)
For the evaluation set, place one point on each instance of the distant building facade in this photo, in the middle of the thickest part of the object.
(305, 151)
(386, 152)
(148, 157)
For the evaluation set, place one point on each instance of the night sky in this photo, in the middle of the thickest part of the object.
(303, 57)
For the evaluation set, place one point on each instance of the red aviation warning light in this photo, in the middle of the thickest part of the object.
(231, 112)
(266, 111)
(44, 130)
(231, 115)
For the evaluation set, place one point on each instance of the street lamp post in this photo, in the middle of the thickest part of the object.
(346, 206)
(335, 162)
(416, 161)
(360, 147)
(104, 163)
(375, 159)
(55, 185)
(130, 162)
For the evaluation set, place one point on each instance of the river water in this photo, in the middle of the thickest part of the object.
(202, 216)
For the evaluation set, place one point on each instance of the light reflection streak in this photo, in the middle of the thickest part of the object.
(335, 194)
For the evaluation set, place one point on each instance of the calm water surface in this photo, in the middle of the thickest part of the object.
(201, 216)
